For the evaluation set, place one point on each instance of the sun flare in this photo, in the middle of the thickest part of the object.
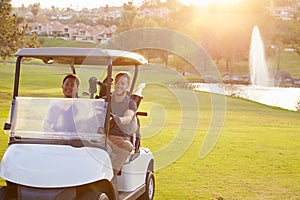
(227, 1)
(208, 2)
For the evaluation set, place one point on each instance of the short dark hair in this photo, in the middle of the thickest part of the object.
(121, 74)
(74, 76)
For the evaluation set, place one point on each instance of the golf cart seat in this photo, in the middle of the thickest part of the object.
(136, 137)
(137, 97)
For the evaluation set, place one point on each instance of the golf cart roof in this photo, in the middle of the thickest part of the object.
(78, 56)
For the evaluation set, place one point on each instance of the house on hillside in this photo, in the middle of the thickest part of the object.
(77, 31)
(93, 34)
(58, 29)
(112, 15)
(39, 28)
(283, 13)
(64, 17)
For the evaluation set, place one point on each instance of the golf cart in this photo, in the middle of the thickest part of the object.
(40, 164)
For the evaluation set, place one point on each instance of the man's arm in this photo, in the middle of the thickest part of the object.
(126, 119)
(128, 116)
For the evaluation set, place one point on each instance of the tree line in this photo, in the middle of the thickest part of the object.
(224, 31)
(12, 36)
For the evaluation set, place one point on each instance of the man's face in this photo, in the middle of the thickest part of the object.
(121, 86)
(70, 88)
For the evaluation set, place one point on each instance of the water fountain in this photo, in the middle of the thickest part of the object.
(259, 71)
(262, 89)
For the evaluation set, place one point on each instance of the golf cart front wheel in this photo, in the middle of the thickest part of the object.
(94, 195)
(3, 193)
(150, 187)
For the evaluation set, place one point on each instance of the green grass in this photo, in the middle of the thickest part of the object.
(256, 156)
(289, 61)
(57, 42)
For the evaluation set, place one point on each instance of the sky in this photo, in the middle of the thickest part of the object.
(79, 4)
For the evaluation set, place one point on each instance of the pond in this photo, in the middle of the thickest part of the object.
(286, 98)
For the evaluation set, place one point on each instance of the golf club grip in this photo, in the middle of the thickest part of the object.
(142, 113)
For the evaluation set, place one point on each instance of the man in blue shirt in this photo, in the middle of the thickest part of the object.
(60, 115)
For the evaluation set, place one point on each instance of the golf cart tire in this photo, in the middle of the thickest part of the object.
(101, 190)
(3, 193)
(150, 187)
(8, 192)
(95, 195)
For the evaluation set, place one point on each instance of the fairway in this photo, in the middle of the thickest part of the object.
(255, 157)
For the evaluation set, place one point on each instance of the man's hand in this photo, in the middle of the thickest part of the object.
(125, 119)
(116, 118)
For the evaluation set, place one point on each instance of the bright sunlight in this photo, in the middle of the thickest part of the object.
(79, 4)
(207, 2)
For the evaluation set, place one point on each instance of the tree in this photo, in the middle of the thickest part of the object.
(141, 22)
(172, 5)
(284, 3)
(1, 3)
(181, 65)
(106, 9)
(35, 9)
(126, 22)
(11, 36)
(33, 42)
(182, 19)
(296, 33)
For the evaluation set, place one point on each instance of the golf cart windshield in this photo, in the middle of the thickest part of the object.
(54, 118)
(36, 117)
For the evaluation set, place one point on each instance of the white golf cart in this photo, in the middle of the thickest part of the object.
(44, 165)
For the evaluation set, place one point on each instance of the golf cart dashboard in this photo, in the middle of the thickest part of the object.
(74, 142)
